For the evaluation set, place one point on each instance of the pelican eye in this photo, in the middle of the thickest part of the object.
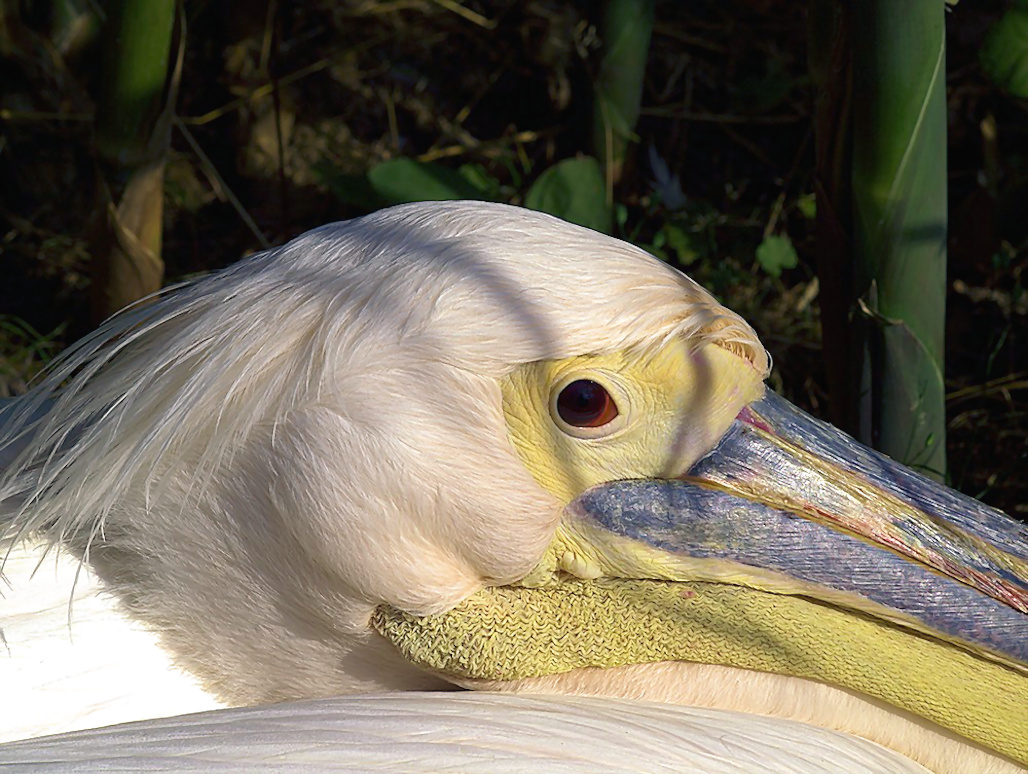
(585, 403)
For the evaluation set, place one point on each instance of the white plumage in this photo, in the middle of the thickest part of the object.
(73, 660)
(319, 430)
(474, 733)
(253, 464)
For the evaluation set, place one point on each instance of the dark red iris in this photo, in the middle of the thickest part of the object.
(584, 403)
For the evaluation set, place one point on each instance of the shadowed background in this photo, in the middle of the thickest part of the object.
(291, 115)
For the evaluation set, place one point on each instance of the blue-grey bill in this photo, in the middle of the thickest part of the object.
(787, 493)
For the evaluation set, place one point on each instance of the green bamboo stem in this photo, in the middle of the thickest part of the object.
(899, 225)
(627, 27)
(132, 131)
(137, 47)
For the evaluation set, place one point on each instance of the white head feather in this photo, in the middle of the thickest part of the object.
(254, 461)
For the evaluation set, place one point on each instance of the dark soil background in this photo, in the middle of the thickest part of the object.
(285, 104)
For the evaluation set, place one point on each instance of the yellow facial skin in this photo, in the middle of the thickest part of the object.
(674, 403)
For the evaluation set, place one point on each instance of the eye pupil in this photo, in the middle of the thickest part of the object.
(584, 403)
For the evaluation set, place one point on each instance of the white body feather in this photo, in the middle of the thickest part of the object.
(76, 662)
(463, 732)
(73, 660)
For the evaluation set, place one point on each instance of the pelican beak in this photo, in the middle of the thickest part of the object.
(789, 548)
(790, 504)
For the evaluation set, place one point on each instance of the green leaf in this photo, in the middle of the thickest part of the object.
(621, 215)
(487, 185)
(1004, 52)
(573, 190)
(405, 180)
(349, 189)
(776, 253)
(686, 246)
(656, 247)
(807, 205)
(905, 391)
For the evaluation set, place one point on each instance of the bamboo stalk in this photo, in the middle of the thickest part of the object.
(899, 225)
(133, 122)
(137, 45)
(627, 27)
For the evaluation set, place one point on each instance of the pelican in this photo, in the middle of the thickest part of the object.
(465, 445)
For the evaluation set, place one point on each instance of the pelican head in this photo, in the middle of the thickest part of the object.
(469, 444)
